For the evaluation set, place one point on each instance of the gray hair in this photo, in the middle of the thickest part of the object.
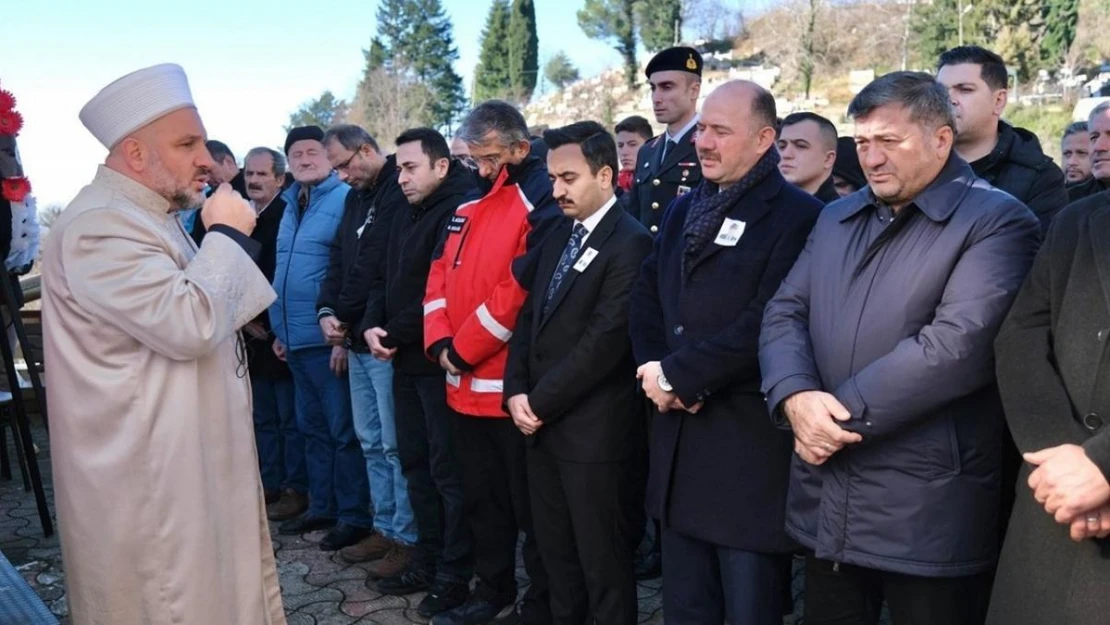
(350, 136)
(496, 116)
(1102, 108)
(1074, 128)
(278, 159)
(926, 99)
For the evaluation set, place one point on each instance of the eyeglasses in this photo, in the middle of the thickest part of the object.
(347, 163)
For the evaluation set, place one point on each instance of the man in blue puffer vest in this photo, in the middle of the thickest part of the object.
(337, 481)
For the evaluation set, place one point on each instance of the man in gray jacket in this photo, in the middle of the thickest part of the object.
(877, 353)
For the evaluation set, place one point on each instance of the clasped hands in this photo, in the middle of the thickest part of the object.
(1072, 489)
(648, 375)
(815, 417)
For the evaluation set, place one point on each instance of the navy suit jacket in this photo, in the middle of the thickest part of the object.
(724, 479)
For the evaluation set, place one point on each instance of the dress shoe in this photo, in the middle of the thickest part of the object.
(272, 495)
(292, 504)
(475, 611)
(394, 563)
(649, 567)
(373, 547)
(343, 535)
(441, 597)
(304, 524)
(410, 581)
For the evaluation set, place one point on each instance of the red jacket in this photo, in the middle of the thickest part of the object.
(478, 283)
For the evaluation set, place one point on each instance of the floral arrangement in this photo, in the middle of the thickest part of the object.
(16, 189)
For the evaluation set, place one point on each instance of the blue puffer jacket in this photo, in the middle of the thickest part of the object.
(303, 244)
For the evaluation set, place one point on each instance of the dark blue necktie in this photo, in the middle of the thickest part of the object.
(566, 262)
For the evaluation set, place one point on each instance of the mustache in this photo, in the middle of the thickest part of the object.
(704, 154)
(254, 187)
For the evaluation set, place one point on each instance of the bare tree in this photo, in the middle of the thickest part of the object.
(713, 19)
(49, 213)
(389, 103)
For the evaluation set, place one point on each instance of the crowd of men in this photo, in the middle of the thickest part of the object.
(703, 353)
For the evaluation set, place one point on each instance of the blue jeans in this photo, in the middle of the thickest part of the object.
(372, 404)
(280, 444)
(337, 483)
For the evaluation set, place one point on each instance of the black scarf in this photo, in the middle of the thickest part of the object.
(709, 207)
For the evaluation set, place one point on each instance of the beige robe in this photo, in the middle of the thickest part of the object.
(159, 499)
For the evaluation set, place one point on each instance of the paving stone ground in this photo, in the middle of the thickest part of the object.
(317, 587)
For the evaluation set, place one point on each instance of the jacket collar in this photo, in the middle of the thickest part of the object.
(321, 188)
(937, 202)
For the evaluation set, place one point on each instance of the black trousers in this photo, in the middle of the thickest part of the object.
(584, 538)
(495, 487)
(852, 595)
(427, 446)
(707, 584)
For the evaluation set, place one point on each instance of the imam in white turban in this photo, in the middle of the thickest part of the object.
(134, 101)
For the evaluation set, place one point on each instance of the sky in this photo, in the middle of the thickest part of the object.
(250, 64)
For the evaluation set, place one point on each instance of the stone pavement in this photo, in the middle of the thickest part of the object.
(317, 587)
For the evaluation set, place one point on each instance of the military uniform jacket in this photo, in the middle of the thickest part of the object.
(657, 183)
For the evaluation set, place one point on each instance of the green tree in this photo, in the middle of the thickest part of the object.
(613, 21)
(491, 76)
(559, 71)
(524, 52)
(323, 112)
(415, 39)
(1061, 25)
(659, 23)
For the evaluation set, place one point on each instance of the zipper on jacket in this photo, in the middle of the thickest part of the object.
(458, 252)
(285, 279)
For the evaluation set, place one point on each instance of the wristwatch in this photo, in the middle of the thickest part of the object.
(664, 384)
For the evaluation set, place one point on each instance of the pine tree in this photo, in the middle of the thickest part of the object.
(559, 71)
(658, 22)
(613, 21)
(1061, 24)
(491, 76)
(415, 40)
(524, 55)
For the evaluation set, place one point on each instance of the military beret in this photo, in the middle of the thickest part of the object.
(680, 59)
(300, 133)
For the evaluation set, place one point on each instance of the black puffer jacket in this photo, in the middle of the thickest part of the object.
(396, 302)
(1019, 166)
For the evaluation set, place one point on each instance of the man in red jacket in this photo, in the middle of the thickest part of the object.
(476, 287)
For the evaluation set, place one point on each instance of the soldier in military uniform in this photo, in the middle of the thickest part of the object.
(667, 166)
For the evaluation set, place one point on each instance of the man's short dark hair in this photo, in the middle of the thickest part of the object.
(991, 66)
(636, 124)
(1075, 128)
(596, 143)
(431, 142)
(827, 128)
(494, 115)
(926, 99)
(218, 150)
(350, 136)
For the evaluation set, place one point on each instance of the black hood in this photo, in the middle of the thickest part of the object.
(1015, 145)
(517, 173)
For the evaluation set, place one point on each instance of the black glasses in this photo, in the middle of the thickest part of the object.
(347, 163)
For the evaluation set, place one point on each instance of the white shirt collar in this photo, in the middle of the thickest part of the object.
(685, 129)
(592, 221)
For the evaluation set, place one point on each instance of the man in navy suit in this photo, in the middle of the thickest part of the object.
(719, 467)
(571, 386)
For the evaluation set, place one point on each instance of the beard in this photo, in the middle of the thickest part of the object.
(181, 196)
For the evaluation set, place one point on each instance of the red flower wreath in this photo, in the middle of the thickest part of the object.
(7, 100)
(10, 122)
(15, 189)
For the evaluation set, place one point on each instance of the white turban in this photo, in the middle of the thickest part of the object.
(134, 101)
